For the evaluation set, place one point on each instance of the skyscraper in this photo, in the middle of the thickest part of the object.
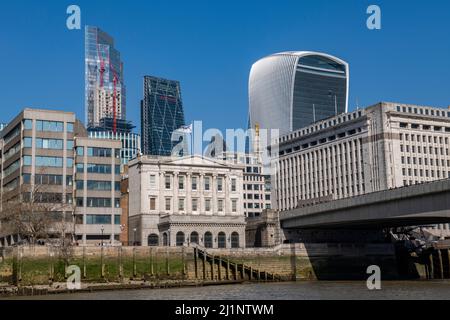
(290, 90)
(161, 114)
(104, 82)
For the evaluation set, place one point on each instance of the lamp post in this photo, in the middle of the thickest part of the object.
(134, 236)
(103, 229)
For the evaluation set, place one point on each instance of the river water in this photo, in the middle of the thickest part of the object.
(432, 290)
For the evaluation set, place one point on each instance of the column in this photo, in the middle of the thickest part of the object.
(214, 206)
(175, 193)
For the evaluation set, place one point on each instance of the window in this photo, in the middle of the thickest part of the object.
(52, 144)
(235, 240)
(70, 145)
(208, 205)
(49, 126)
(168, 183)
(101, 202)
(152, 181)
(233, 185)
(208, 240)
(69, 163)
(80, 184)
(152, 203)
(180, 239)
(28, 124)
(207, 183)
(222, 240)
(117, 220)
(99, 185)
(80, 151)
(194, 183)
(168, 204)
(70, 127)
(46, 179)
(80, 168)
(99, 152)
(153, 240)
(220, 205)
(55, 162)
(28, 142)
(96, 219)
(181, 182)
(194, 205)
(99, 168)
(180, 204)
(234, 206)
(194, 237)
(219, 184)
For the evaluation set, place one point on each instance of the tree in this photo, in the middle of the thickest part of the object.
(36, 213)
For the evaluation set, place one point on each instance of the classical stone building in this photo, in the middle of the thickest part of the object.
(385, 146)
(264, 230)
(181, 201)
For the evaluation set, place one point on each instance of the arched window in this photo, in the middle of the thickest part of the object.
(208, 241)
(153, 240)
(194, 237)
(165, 240)
(180, 239)
(222, 239)
(235, 240)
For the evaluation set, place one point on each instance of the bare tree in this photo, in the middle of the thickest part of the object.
(36, 213)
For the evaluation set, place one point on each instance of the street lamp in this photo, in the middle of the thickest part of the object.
(103, 229)
(134, 237)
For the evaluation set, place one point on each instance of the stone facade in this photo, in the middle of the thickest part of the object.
(263, 231)
(385, 146)
(180, 201)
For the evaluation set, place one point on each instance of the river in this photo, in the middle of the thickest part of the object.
(391, 290)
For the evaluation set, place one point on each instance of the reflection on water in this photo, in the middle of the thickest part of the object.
(433, 290)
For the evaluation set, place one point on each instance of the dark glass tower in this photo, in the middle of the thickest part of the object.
(161, 114)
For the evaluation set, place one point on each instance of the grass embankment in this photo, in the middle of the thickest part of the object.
(39, 271)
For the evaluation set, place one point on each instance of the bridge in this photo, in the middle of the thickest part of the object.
(423, 204)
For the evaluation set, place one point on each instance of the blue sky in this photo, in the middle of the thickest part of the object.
(210, 46)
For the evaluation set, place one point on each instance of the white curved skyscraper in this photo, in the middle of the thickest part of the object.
(291, 90)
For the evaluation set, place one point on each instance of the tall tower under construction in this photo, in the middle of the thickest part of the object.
(104, 82)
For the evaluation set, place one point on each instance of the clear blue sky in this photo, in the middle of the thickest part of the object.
(210, 46)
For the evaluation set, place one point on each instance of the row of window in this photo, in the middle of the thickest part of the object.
(424, 138)
(98, 168)
(99, 219)
(51, 144)
(425, 173)
(194, 183)
(429, 150)
(54, 162)
(47, 126)
(47, 179)
(195, 204)
(98, 202)
(424, 111)
(420, 161)
(98, 185)
(99, 152)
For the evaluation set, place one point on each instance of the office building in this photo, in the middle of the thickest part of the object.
(388, 145)
(131, 142)
(42, 163)
(161, 114)
(105, 92)
(188, 200)
(290, 90)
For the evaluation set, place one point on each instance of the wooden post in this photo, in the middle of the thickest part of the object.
(251, 273)
(196, 263)
(441, 265)
(204, 265)
(219, 271)
(183, 262)
(152, 271)
(157, 264)
(119, 252)
(212, 268)
(134, 263)
(236, 272)
(167, 262)
(84, 263)
(430, 258)
(102, 264)
(228, 269)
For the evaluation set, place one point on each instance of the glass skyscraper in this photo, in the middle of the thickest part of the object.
(161, 114)
(104, 79)
(291, 90)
